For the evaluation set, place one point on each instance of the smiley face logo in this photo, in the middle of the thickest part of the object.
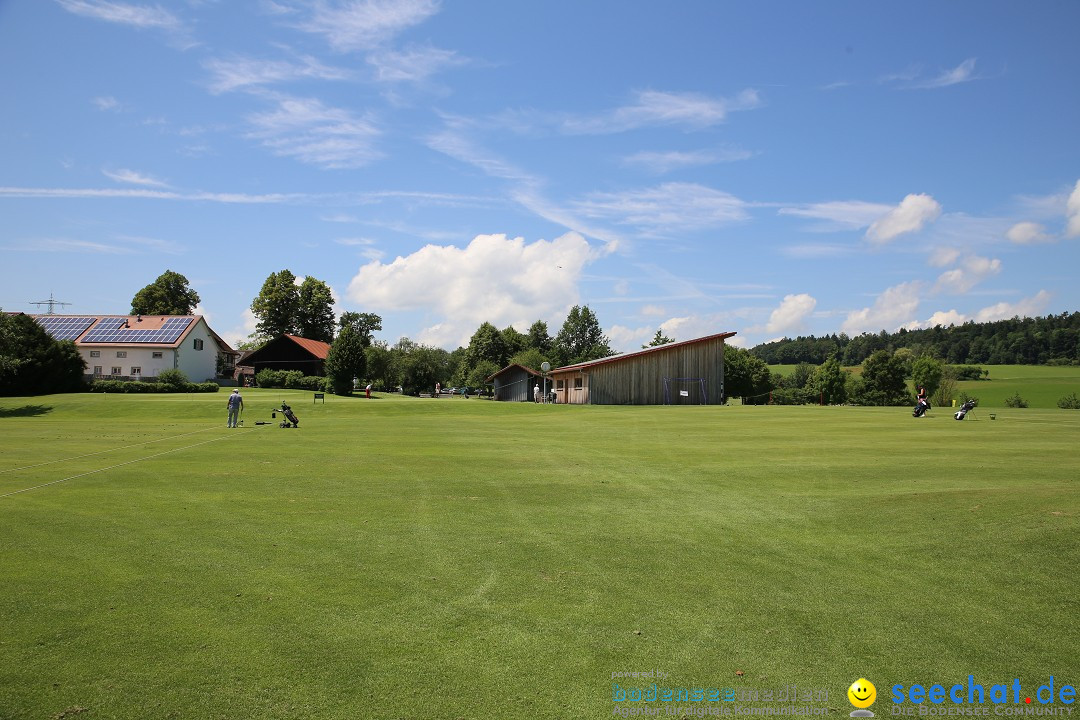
(862, 693)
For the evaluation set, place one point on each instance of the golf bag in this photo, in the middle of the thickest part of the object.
(921, 408)
(290, 417)
(964, 410)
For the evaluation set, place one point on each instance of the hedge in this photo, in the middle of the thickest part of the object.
(135, 386)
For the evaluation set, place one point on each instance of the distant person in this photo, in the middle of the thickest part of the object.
(368, 389)
(438, 389)
(236, 406)
(536, 393)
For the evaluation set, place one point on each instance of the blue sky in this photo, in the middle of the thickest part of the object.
(772, 168)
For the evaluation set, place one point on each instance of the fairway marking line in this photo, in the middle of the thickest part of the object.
(99, 452)
(111, 467)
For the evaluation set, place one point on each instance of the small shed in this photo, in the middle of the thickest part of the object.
(690, 372)
(515, 383)
(290, 352)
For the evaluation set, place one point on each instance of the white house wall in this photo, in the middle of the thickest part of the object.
(198, 365)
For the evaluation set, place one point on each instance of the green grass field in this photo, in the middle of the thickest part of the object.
(412, 558)
(1041, 385)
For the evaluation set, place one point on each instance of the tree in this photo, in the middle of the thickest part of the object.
(580, 339)
(514, 341)
(315, 311)
(277, 306)
(168, 295)
(928, 372)
(32, 363)
(346, 360)
(658, 340)
(365, 324)
(380, 366)
(829, 382)
(487, 343)
(530, 358)
(746, 376)
(883, 380)
(538, 337)
(422, 367)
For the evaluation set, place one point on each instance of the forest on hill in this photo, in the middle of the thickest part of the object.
(1050, 340)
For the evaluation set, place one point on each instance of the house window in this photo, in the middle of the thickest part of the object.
(560, 384)
(97, 371)
(121, 353)
(198, 343)
(117, 371)
(578, 383)
(136, 371)
(157, 355)
(95, 353)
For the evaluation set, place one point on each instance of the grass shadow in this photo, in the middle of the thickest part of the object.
(25, 411)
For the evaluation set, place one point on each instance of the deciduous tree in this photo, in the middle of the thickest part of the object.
(170, 294)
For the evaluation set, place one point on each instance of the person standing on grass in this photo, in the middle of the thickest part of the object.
(236, 406)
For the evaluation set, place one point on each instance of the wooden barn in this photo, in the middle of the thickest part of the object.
(515, 383)
(690, 372)
(289, 352)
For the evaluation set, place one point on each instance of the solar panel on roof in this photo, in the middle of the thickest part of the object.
(61, 327)
(113, 330)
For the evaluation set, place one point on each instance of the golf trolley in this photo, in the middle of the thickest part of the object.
(968, 407)
(920, 409)
(290, 419)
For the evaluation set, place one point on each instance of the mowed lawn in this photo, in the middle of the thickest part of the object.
(417, 558)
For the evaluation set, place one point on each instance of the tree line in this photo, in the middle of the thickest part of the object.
(1050, 340)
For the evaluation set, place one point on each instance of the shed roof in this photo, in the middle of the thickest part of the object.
(647, 351)
(315, 348)
(509, 367)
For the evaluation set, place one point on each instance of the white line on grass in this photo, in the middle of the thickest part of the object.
(99, 452)
(111, 467)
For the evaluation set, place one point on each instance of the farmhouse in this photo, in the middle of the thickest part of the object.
(288, 352)
(515, 383)
(132, 347)
(683, 373)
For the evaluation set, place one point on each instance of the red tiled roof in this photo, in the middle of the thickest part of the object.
(316, 347)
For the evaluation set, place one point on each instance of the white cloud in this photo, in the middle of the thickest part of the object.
(1028, 233)
(944, 256)
(664, 162)
(413, 64)
(671, 206)
(624, 339)
(963, 72)
(238, 198)
(494, 278)
(1072, 213)
(657, 108)
(815, 250)
(894, 308)
(366, 24)
(1028, 307)
(972, 271)
(946, 318)
(850, 214)
(793, 311)
(135, 15)
(243, 72)
(106, 103)
(307, 130)
(653, 311)
(135, 178)
(61, 245)
(912, 214)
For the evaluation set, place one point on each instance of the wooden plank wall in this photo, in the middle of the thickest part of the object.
(639, 380)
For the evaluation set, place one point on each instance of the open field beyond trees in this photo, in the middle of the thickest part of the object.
(418, 558)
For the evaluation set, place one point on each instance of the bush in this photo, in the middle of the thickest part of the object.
(969, 372)
(1069, 402)
(173, 378)
(1016, 401)
(268, 378)
(965, 396)
(134, 387)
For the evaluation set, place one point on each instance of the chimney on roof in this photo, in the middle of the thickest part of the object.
(138, 318)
